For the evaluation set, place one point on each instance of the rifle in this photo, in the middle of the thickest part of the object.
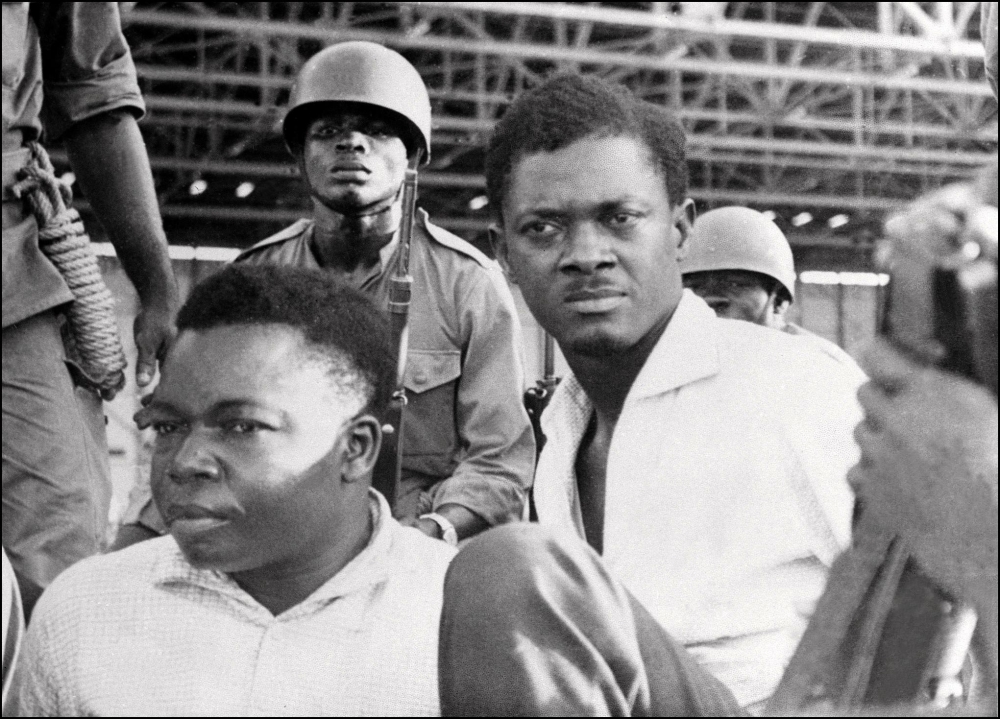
(389, 466)
(883, 633)
(537, 398)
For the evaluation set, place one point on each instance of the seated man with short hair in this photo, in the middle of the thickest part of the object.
(286, 587)
(704, 460)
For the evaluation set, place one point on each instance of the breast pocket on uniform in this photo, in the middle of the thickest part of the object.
(431, 437)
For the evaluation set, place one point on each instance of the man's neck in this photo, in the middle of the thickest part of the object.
(607, 380)
(349, 243)
(278, 588)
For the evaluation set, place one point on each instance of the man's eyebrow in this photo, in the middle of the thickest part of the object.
(223, 406)
(228, 405)
(548, 213)
(158, 405)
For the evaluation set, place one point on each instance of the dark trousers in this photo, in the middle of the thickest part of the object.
(533, 625)
(56, 485)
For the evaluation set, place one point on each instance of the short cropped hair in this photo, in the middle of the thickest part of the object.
(569, 108)
(343, 326)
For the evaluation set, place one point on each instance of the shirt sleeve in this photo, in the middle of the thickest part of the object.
(86, 64)
(498, 458)
(37, 689)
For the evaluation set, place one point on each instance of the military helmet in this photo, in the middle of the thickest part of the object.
(738, 238)
(364, 73)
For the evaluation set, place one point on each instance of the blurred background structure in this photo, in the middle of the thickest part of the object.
(824, 114)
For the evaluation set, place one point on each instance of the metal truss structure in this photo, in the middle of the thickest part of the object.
(808, 109)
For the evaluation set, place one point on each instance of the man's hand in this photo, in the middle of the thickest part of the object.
(109, 158)
(154, 331)
(466, 522)
(431, 529)
(929, 466)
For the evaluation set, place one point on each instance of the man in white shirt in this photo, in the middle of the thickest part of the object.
(705, 459)
(286, 587)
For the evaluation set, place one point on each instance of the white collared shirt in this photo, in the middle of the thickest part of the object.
(726, 493)
(143, 633)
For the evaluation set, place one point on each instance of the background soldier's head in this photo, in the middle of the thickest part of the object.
(589, 187)
(741, 264)
(358, 114)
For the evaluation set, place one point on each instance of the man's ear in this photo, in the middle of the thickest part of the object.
(362, 441)
(498, 241)
(781, 304)
(684, 217)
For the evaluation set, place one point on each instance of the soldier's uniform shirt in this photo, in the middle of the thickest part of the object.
(727, 499)
(63, 63)
(141, 632)
(467, 437)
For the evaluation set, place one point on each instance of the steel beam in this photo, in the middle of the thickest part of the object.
(707, 139)
(191, 75)
(251, 28)
(849, 37)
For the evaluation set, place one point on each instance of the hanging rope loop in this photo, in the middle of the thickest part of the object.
(95, 342)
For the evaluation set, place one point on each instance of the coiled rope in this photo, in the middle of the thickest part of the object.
(96, 345)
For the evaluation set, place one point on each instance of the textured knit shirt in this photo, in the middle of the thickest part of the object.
(143, 633)
(726, 492)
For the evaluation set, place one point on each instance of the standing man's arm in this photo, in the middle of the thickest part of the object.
(491, 482)
(109, 158)
(92, 101)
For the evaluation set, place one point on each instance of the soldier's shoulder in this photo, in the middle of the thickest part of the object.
(444, 239)
(292, 232)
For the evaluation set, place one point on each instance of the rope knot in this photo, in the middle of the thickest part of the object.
(95, 343)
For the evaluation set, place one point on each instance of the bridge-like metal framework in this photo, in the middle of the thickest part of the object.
(823, 109)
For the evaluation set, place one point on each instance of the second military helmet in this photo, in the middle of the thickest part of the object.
(365, 73)
(738, 238)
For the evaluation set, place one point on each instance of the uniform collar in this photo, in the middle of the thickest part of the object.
(371, 566)
(386, 255)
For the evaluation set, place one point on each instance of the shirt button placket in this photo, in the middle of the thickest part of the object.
(269, 672)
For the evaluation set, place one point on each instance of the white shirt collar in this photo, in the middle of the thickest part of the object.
(687, 352)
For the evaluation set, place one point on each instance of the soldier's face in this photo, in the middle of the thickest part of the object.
(736, 295)
(354, 160)
(593, 241)
(252, 434)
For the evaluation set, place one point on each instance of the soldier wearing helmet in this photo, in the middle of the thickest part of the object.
(359, 116)
(740, 262)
